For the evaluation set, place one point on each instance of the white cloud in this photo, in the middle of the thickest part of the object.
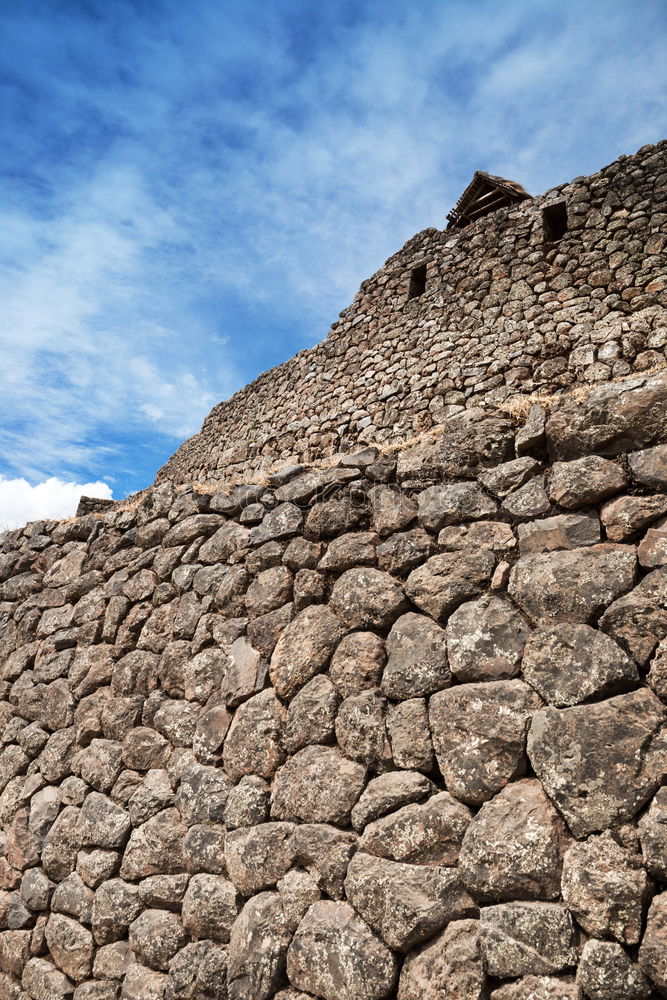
(20, 502)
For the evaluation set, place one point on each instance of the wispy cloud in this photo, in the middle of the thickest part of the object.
(196, 191)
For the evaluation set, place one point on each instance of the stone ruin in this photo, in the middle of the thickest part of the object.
(385, 719)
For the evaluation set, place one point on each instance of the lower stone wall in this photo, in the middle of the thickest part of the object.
(390, 729)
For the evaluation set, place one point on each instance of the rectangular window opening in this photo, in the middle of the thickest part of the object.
(554, 220)
(417, 281)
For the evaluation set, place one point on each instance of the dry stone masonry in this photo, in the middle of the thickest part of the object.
(507, 309)
(390, 727)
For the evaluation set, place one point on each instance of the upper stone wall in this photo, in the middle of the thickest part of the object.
(504, 312)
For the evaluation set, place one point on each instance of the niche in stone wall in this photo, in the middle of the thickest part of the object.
(554, 221)
(417, 281)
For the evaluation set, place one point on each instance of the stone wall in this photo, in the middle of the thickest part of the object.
(390, 729)
(504, 312)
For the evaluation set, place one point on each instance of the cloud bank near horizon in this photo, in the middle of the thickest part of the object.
(20, 502)
(195, 192)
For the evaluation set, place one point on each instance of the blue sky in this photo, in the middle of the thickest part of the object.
(192, 192)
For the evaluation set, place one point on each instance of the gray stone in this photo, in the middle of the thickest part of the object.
(388, 792)
(429, 833)
(212, 726)
(611, 419)
(479, 735)
(199, 970)
(565, 531)
(258, 946)
(448, 966)
(202, 794)
(653, 834)
(70, 946)
(417, 663)
(606, 972)
(574, 585)
(584, 481)
(202, 674)
(102, 823)
(97, 990)
(497, 536)
(447, 580)
(163, 891)
(302, 554)
(141, 983)
(258, 856)
(154, 794)
(367, 598)
(639, 618)
(61, 844)
(204, 849)
(42, 981)
(210, 907)
(247, 803)
(187, 530)
(264, 632)
(144, 748)
(310, 587)
(485, 640)
(652, 550)
(440, 506)
(245, 673)
(155, 937)
(606, 888)
(100, 763)
(336, 956)
(253, 744)
(391, 509)
(15, 951)
(283, 521)
(657, 675)
(304, 649)
(312, 714)
(324, 852)
(519, 939)
(509, 476)
(568, 664)
(405, 904)
(298, 890)
(649, 467)
(357, 663)
(361, 731)
(95, 865)
(355, 549)
(513, 847)
(404, 550)
(115, 906)
(626, 517)
(653, 950)
(539, 988)
(600, 763)
(36, 890)
(317, 785)
(156, 847)
(229, 539)
(269, 591)
(530, 438)
(470, 441)
(528, 502)
(410, 735)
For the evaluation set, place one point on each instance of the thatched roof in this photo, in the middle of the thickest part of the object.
(485, 194)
